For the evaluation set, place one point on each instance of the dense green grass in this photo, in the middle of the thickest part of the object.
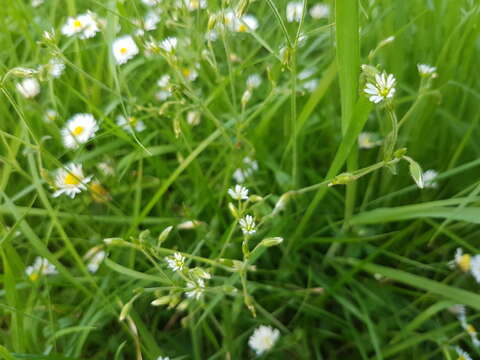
(363, 269)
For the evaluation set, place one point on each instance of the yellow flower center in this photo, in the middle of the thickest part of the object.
(132, 120)
(471, 329)
(186, 72)
(242, 28)
(123, 50)
(194, 4)
(464, 262)
(34, 276)
(77, 24)
(71, 179)
(78, 130)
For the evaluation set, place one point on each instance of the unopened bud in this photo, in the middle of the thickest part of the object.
(342, 179)
(274, 241)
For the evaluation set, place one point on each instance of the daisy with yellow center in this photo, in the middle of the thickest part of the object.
(70, 180)
(78, 130)
(84, 25)
(124, 49)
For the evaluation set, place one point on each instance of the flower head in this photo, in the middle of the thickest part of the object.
(176, 262)
(239, 192)
(195, 289)
(243, 24)
(320, 11)
(462, 355)
(382, 89)
(28, 88)
(169, 44)
(429, 178)
(263, 339)
(95, 258)
(368, 140)
(254, 81)
(475, 267)
(463, 261)
(78, 130)
(195, 4)
(427, 71)
(41, 266)
(124, 49)
(50, 115)
(248, 226)
(84, 24)
(70, 180)
(248, 168)
(294, 11)
(130, 124)
(56, 66)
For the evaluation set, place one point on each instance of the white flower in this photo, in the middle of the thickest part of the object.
(50, 115)
(462, 355)
(163, 358)
(56, 66)
(320, 11)
(195, 4)
(263, 339)
(254, 81)
(193, 118)
(426, 70)
(305, 74)
(475, 267)
(70, 180)
(41, 266)
(151, 2)
(130, 124)
(164, 81)
(78, 130)
(190, 74)
(95, 259)
(239, 192)
(382, 89)
(124, 49)
(247, 224)
(294, 11)
(211, 35)
(175, 261)
(151, 20)
(195, 289)
(169, 44)
(36, 3)
(463, 261)
(429, 177)
(368, 140)
(241, 174)
(246, 23)
(106, 168)
(83, 24)
(28, 88)
(310, 85)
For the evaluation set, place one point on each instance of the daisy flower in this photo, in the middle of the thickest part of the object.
(368, 140)
(28, 88)
(70, 180)
(320, 11)
(169, 44)
(239, 192)
(294, 11)
(130, 124)
(124, 49)
(95, 258)
(426, 70)
(83, 24)
(195, 289)
(195, 4)
(463, 261)
(56, 66)
(41, 266)
(176, 261)
(382, 89)
(263, 339)
(78, 130)
(429, 177)
(247, 224)
(462, 355)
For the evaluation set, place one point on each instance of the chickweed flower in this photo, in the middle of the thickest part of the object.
(429, 177)
(254, 81)
(84, 24)
(239, 192)
(78, 130)
(248, 226)
(130, 124)
(152, 18)
(245, 23)
(462, 355)
(70, 180)
(169, 44)
(41, 266)
(95, 258)
(248, 168)
(463, 261)
(294, 11)
(368, 140)
(124, 49)
(28, 88)
(176, 262)
(382, 89)
(50, 115)
(193, 118)
(263, 339)
(195, 289)
(320, 11)
(56, 66)
(195, 4)
(427, 71)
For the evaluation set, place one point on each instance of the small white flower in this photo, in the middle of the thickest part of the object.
(246, 23)
(239, 192)
(368, 140)
(426, 70)
(310, 85)
(151, 2)
(475, 267)
(429, 178)
(70, 180)
(130, 124)
(124, 49)
(472, 332)
(50, 115)
(169, 44)
(56, 66)
(78, 130)
(320, 11)
(195, 4)
(106, 168)
(36, 3)
(152, 18)
(83, 24)
(294, 11)
(382, 89)
(241, 174)
(462, 355)
(163, 358)
(211, 35)
(164, 81)
(190, 74)
(248, 226)
(176, 262)
(195, 289)
(28, 88)
(263, 339)
(41, 266)
(193, 118)
(254, 81)
(95, 258)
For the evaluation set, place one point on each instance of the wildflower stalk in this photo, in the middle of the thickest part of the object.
(391, 138)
